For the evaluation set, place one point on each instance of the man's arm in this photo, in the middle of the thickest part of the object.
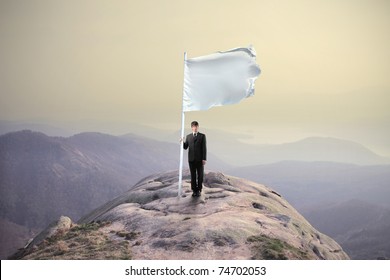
(185, 143)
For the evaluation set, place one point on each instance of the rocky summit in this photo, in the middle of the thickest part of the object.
(232, 219)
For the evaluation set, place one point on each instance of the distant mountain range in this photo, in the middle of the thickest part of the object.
(232, 149)
(310, 184)
(229, 146)
(309, 149)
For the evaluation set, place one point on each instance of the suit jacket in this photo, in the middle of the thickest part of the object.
(197, 147)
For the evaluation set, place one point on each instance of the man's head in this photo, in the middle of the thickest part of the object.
(194, 126)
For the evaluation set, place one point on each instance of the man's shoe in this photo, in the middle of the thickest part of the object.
(197, 193)
(194, 194)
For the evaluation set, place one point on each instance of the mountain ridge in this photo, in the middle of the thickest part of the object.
(242, 152)
(312, 149)
(301, 181)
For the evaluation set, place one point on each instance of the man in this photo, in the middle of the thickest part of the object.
(196, 142)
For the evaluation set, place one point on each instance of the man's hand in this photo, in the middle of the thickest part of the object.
(203, 162)
(182, 139)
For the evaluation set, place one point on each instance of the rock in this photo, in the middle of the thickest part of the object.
(63, 224)
(233, 219)
(56, 228)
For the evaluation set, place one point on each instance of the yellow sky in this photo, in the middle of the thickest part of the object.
(325, 64)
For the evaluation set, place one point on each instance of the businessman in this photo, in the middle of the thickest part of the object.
(195, 142)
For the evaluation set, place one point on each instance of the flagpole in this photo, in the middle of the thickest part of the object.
(182, 138)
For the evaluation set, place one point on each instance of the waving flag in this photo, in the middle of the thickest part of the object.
(219, 79)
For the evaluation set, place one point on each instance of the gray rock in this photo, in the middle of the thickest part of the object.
(233, 219)
(57, 227)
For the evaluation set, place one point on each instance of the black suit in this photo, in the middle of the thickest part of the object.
(196, 154)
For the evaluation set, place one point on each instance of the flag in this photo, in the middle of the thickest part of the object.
(219, 79)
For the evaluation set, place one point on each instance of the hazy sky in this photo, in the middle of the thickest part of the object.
(325, 64)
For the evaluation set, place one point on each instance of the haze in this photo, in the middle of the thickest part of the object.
(325, 65)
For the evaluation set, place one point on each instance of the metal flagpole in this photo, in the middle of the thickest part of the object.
(182, 136)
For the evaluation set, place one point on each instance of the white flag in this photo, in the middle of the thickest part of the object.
(219, 79)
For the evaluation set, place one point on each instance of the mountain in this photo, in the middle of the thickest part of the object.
(233, 149)
(309, 149)
(229, 146)
(307, 184)
(233, 219)
(14, 126)
(362, 228)
(323, 191)
(43, 177)
(14, 236)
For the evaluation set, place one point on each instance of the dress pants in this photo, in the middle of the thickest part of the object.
(196, 169)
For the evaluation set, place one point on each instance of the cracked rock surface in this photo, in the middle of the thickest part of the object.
(233, 219)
